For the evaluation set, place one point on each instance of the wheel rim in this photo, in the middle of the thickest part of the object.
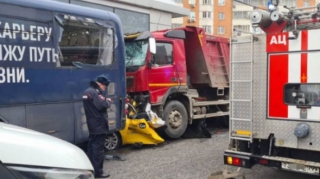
(175, 119)
(111, 141)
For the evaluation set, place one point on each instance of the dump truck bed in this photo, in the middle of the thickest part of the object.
(207, 58)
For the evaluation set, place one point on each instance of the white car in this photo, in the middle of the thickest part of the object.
(28, 154)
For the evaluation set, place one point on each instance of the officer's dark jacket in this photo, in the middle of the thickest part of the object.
(95, 107)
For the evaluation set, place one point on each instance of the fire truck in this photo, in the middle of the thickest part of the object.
(183, 72)
(275, 90)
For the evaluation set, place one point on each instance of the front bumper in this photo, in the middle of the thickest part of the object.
(247, 160)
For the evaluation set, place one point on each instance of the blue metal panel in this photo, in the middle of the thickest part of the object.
(54, 85)
(26, 49)
(81, 128)
(55, 118)
(14, 115)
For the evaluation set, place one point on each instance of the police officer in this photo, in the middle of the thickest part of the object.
(95, 107)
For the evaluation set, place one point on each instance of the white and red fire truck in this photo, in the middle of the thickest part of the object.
(275, 92)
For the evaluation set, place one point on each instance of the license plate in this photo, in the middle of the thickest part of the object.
(299, 168)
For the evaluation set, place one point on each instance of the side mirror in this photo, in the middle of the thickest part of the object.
(152, 45)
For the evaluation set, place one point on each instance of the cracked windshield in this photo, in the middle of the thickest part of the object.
(136, 52)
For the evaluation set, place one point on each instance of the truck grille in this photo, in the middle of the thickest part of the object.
(130, 81)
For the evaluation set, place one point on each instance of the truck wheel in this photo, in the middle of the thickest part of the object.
(113, 141)
(176, 118)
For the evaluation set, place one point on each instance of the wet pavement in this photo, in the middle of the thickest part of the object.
(184, 159)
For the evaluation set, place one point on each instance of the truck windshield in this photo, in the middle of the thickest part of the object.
(136, 52)
(302, 94)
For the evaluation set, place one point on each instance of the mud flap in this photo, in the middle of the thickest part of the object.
(197, 130)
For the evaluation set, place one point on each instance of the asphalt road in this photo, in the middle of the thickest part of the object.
(185, 159)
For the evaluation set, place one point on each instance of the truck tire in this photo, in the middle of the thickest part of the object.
(176, 117)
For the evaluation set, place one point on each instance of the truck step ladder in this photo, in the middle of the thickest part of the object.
(241, 97)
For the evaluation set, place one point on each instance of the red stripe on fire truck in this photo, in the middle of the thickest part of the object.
(285, 68)
(278, 76)
(304, 57)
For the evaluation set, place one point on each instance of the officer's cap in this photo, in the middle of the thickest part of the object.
(103, 80)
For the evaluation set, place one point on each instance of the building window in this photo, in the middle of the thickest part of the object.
(221, 15)
(289, 3)
(176, 25)
(220, 30)
(306, 4)
(192, 2)
(245, 28)
(207, 2)
(179, 1)
(132, 21)
(241, 14)
(221, 2)
(248, 1)
(192, 15)
(206, 14)
(207, 28)
(256, 2)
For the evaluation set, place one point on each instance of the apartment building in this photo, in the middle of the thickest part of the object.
(220, 17)
(215, 16)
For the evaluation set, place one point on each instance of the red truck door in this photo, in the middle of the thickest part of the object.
(162, 74)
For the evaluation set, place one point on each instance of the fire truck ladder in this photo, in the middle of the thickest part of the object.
(241, 87)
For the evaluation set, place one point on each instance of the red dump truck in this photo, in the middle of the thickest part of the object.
(183, 71)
